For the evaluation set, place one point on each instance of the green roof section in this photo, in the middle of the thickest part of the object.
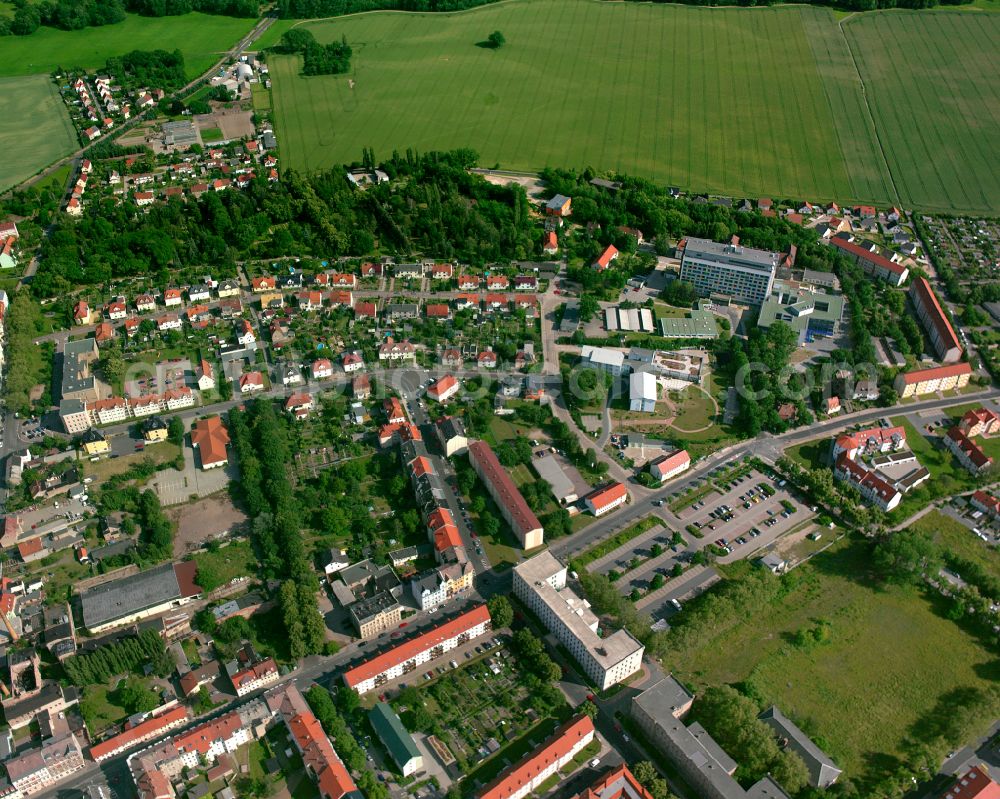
(697, 324)
(393, 734)
(810, 311)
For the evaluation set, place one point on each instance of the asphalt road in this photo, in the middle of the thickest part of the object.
(766, 447)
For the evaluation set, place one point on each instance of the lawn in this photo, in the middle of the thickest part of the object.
(162, 452)
(35, 129)
(98, 710)
(225, 563)
(891, 659)
(948, 476)
(211, 135)
(200, 37)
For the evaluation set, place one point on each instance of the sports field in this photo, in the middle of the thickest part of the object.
(764, 101)
(200, 37)
(34, 127)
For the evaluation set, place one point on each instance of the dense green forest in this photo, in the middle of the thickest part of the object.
(70, 16)
(318, 59)
(306, 9)
(158, 69)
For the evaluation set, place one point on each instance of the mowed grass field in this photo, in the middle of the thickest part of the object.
(764, 101)
(722, 100)
(34, 127)
(891, 658)
(932, 81)
(200, 37)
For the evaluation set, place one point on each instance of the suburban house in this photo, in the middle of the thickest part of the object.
(608, 254)
(559, 205)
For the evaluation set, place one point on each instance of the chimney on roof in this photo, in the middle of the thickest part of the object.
(735, 240)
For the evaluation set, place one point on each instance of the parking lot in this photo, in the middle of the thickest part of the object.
(980, 524)
(748, 515)
(751, 514)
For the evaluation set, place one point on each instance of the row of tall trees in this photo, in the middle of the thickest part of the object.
(65, 15)
(264, 456)
(123, 656)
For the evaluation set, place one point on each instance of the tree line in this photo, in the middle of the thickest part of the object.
(347, 746)
(124, 655)
(308, 9)
(264, 455)
(435, 209)
(173, 8)
(65, 15)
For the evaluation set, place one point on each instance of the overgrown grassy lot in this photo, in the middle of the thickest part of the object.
(886, 673)
(696, 97)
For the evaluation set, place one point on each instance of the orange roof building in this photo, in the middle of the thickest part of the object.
(411, 653)
(210, 438)
(524, 777)
(606, 498)
(515, 510)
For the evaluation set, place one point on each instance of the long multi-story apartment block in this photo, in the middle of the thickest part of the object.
(935, 321)
(409, 655)
(874, 264)
(540, 583)
(929, 381)
(78, 416)
(730, 270)
(144, 731)
(522, 520)
(519, 780)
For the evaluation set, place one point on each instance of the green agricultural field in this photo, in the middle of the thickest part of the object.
(698, 98)
(932, 83)
(886, 672)
(701, 98)
(34, 128)
(200, 37)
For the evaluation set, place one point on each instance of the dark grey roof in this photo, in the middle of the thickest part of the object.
(77, 374)
(822, 770)
(451, 427)
(120, 598)
(365, 609)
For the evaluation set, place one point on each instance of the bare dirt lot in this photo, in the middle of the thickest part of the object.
(203, 520)
(235, 123)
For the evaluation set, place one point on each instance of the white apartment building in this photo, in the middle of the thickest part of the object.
(540, 583)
